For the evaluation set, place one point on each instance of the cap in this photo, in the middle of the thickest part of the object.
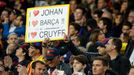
(25, 46)
(51, 53)
(12, 33)
(37, 45)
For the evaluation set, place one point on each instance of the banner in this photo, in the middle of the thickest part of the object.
(47, 22)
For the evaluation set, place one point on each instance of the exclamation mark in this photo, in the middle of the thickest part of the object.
(29, 18)
(62, 21)
(28, 35)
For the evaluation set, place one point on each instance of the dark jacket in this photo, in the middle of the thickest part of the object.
(120, 64)
(110, 72)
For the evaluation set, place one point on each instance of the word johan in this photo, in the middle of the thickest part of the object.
(48, 12)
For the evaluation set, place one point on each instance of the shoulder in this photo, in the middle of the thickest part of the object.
(110, 72)
(124, 60)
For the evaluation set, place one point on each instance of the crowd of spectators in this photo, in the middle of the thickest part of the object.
(100, 40)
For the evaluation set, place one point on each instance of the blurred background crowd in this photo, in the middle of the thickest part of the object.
(100, 40)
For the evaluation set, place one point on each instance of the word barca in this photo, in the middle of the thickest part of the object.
(49, 22)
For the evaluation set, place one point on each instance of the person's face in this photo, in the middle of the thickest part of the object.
(110, 46)
(11, 48)
(101, 4)
(22, 38)
(95, 17)
(7, 60)
(77, 66)
(31, 51)
(101, 50)
(72, 30)
(18, 21)
(39, 69)
(73, 5)
(98, 68)
(101, 37)
(4, 15)
(118, 19)
(54, 62)
(101, 25)
(124, 5)
(131, 34)
(19, 52)
(78, 14)
(75, 40)
(125, 29)
(131, 17)
(12, 17)
(12, 39)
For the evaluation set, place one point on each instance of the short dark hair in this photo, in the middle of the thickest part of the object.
(98, 12)
(81, 8)
(76, 26)
(127, 24)
(108, 22)
(92, 23)
(81, 58)
(38, 61)
(104, 60)
(117, 42)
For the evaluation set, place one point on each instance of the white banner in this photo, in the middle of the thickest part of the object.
(47, 22)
